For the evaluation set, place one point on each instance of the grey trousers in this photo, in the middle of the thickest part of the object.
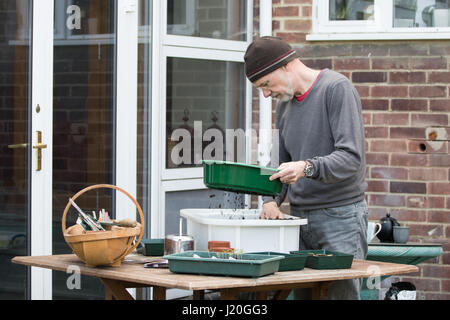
(342, 229)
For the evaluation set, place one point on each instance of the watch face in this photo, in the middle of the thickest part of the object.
(309, 170)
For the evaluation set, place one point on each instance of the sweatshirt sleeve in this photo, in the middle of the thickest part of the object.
(345, 120)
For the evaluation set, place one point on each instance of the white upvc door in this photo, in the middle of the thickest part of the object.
(41, 121)
(42, 126)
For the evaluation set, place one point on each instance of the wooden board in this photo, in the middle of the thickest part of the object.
(133, 272)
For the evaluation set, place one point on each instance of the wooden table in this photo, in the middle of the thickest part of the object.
(132, 274)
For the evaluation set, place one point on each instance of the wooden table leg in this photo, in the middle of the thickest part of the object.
(108, 293)
(261, 295)
(115, 290)
(229, 294)
(159, 293)
(319, 292)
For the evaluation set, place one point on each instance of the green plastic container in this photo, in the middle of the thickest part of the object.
(337, 260)
(216, 263)
(290, 262)
(153, 247)
(240, 177)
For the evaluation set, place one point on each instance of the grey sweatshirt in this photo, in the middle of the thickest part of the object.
(325, 128)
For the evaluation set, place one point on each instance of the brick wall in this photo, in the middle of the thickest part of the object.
(405, 93)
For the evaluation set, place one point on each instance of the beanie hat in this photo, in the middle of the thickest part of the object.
(265, 55)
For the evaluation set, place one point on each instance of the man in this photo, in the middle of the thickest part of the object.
(321, 151)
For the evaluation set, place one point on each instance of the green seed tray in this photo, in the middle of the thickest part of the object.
(290, 262)
(216, 263)
(153, 247)
(240, 177)
(337, 260)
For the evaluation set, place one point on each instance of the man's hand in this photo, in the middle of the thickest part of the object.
(290, 172)
(270, 211)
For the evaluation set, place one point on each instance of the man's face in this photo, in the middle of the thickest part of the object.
(276, 84)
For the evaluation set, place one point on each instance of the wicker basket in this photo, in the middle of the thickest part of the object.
(102, 248)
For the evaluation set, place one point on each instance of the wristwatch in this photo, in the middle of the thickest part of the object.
(309, 170)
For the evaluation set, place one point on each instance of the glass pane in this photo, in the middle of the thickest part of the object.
(205, 112)
(15, 75)
(421, 13)
(83, 117)
(211, 199)
(351, 9)
(220, 19)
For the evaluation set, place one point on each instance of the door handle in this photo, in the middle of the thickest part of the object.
(18, 146)
(39, 146)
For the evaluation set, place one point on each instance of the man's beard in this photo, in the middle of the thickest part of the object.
(285, 97)
(288, 95)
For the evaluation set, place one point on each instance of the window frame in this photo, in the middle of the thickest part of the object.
(380, 28)
(168, 45)
(189, 53)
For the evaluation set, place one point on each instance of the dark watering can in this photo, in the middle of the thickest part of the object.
(387, 228)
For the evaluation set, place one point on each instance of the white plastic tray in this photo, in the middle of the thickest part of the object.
(243, 229)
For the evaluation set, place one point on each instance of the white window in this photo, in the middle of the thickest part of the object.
(199, 95)
(380, 19)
